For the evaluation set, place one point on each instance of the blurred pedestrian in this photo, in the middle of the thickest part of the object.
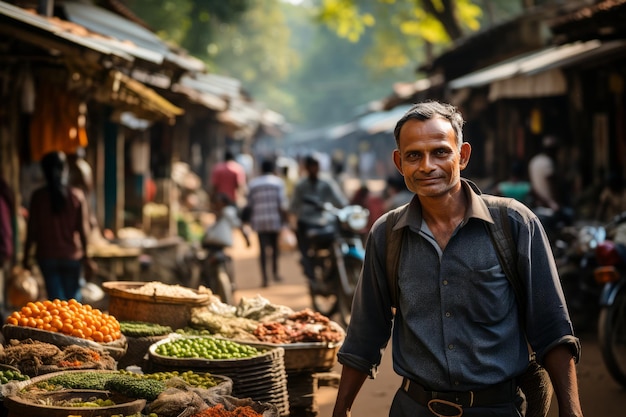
(81, 177)
(321, 189)
(58, 225)
(397, 194)
(515, 186)
(268, 205)
(220, 232)
(228, 177)
(543, 175)
(373, 202)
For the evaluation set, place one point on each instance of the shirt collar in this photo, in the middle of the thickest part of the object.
(476, 208)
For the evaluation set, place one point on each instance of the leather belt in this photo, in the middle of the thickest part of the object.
(496, 394)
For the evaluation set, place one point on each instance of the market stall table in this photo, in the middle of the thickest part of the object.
(117, 263)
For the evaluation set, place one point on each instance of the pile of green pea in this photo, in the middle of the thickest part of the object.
(7, 375)
(206, 348)
(201, 380)
(98, 402)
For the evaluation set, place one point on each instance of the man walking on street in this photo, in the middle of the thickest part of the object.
(460, 338)
(267, 201)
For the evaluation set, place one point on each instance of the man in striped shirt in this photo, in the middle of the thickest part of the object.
(268, 204)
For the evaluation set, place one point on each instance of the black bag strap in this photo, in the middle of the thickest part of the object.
(393, 244)
(506, 249)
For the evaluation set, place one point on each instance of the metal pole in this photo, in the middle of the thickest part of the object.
(45, 7)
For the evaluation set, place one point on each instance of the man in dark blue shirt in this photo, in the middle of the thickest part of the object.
(456, 334)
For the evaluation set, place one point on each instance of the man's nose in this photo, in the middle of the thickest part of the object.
(426, 163)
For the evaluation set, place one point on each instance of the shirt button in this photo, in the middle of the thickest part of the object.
(445, 282)
(450, 346)
(448, 314)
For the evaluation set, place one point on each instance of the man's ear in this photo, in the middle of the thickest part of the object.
(397, 160)
(466, 151)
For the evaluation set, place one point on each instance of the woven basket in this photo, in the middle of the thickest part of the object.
(262, 378)
(167, 311)
(136, 353)
(314, 357)
(19, 406)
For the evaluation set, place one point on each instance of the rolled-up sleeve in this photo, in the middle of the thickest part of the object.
(547, 320)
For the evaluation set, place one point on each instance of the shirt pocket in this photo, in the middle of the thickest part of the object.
(490, 296)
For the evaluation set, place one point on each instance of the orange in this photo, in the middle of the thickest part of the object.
(87, 331)
(97, 336)
(67, 328)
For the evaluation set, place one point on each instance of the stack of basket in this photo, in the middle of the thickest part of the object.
(262, 378)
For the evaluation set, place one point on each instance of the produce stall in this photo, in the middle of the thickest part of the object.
(262, 356)
(115, 262)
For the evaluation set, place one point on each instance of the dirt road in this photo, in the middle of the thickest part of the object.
(600, 395)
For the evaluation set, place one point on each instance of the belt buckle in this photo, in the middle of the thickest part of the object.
(434, 406)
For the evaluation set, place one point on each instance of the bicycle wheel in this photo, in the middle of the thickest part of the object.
(612, 337)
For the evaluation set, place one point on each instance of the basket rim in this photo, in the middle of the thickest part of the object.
(71, 340)
(116, 289)
(269, 351)
(19, 400)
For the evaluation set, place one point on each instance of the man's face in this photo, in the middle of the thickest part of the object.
(313, 169)
(429, 158)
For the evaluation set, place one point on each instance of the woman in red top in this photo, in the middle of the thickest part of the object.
(58, 226)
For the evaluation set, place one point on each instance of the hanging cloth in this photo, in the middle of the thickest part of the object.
(58, 123)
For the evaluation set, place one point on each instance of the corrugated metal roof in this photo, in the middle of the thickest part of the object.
(217, 85)
(58, 29)
(545, 59)
(134, 38)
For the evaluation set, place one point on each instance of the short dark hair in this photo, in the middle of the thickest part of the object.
(429, 110)
(267, 166)
(311, 160)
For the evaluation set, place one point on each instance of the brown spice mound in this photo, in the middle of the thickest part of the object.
(87, 357)
(219, 411)
(33, 357)
(30, 355)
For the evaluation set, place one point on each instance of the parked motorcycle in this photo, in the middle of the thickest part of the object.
(575, 254)
(336, 252)
(553, 221)
(611, 273)
(210, 266)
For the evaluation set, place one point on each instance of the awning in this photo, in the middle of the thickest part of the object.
(544, 84)
(131, 95)
(537, 62)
